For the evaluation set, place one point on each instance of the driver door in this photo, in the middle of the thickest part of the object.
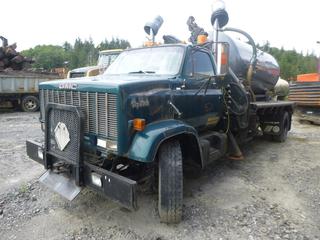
(199, 100)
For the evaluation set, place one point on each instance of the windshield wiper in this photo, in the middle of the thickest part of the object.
(144, 72)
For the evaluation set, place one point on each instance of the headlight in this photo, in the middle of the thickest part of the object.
(108, 144)
(96, 179)
(40, 153)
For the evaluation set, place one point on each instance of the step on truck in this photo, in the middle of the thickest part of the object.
(156, 111)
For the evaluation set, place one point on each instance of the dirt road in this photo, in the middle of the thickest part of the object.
(273, 194)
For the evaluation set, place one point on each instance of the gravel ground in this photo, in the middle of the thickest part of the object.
(272, 194)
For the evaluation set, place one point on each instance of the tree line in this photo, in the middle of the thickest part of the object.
(85, 53)
(291, 62)
(79, 54)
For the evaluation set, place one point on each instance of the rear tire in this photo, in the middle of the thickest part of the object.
(30, 104)
(170, 183)
(284, 128)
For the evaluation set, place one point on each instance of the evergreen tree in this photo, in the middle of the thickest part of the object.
(82, 53)
(291, 62)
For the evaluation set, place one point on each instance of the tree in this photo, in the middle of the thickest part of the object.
(291, 62)
(46, 56)
(81, 53)
(115, 43)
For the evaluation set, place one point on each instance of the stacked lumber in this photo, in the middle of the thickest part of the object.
(305, 94)
(10, 58)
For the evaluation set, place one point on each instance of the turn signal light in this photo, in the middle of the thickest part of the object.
(139, 124)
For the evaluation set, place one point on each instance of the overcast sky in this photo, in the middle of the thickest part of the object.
(291, 24)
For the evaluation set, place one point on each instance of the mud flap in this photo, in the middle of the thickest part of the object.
(66, 187)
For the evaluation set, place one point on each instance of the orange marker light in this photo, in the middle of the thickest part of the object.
(149, 44)
(202, 39)
(139, 124)
(224, 58)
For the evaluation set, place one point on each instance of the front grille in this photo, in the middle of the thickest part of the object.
(70, 119)
(100, 109)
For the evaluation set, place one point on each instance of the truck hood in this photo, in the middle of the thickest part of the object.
(105, 83)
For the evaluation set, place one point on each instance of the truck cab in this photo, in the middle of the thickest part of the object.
(106, 57)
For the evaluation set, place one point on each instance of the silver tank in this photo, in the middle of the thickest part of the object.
(267, 69)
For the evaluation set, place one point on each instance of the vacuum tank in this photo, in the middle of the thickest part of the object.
(266, 71)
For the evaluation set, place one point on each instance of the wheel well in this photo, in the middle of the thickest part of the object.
(190, 149)
(276, 114)
(29, 94)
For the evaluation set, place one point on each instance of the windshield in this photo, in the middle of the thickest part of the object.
(159, 60)
(105, 60)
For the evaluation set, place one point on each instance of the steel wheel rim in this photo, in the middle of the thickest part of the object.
(30, 104)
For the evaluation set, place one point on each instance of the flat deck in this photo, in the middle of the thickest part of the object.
(269, 104)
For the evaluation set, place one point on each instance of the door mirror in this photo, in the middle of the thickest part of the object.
(222, 58)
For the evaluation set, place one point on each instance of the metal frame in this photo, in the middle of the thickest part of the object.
(114, 186)
(48, 156)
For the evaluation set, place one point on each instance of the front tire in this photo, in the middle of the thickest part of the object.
(170, 183)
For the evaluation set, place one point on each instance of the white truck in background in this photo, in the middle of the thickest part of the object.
(106, 57)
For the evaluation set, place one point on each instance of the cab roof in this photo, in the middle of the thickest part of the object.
(111, 51)
(159, 46)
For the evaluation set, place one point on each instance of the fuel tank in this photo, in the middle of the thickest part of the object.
(267, 69)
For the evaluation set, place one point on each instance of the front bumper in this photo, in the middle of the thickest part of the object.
(118, 188)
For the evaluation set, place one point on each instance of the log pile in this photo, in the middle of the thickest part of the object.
(10, 58)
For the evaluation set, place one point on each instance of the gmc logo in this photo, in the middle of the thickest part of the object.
(71, 86)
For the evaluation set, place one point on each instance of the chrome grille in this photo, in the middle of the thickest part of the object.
(100, 109)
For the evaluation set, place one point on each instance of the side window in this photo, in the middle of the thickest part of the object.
(198, 64)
